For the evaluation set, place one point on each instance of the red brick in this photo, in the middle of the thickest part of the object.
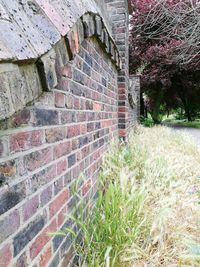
(5, 256)
(63, 85)
(122, 132)
(97, 107)
(61, 166)
(42, 240)
(62, 149)
(30, 208)
(45, 257)
(61, 217)
(74, 42)
(73, 130)
(26, 140)
(59, 100)
(122, 90)
(122, 109)
(60, 200)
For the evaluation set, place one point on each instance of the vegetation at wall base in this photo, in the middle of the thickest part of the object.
(147, 211)
(147, 122)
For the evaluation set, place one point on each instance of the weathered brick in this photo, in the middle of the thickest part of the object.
(81, 116)
(55, 134)
(8, 227)
(58, 202)
(46, 195)
(78, 76)
(10, 198)
(83, 141)
(67, 117)
(7, 171)
(38, 159)
(71, 160)
(62, 149)
(30, 208)
(27, 234)
(46, 117)
(26, 140)
(59, 100)
(21, 118)
(42, 240)
(89, 105)
(67, 71)
(58, 186)
(41, 178)
(5, 256)
(88, 59)
(69, 101)
(76, 88)
(86, 69)
(73, 130)
(90, 127)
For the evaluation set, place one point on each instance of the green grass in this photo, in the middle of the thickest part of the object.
(183, 123)
(147, 211)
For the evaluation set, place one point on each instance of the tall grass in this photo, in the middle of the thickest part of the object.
(147, 211)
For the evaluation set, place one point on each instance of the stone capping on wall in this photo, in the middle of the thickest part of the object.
(87, 26)
(29, 78)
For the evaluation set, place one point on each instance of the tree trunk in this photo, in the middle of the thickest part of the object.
(142, 107)
(155, 113)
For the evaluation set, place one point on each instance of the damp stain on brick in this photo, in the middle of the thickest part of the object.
(8, 200)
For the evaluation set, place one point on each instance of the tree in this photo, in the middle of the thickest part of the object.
(160, 50)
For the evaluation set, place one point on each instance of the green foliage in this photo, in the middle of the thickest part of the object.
(147, 122)
(116, 222)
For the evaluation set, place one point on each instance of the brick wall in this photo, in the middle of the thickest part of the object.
(69, 132)
(119, 12)
(75, 101)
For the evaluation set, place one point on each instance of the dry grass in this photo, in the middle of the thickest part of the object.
(149, 214)
(165, 165)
